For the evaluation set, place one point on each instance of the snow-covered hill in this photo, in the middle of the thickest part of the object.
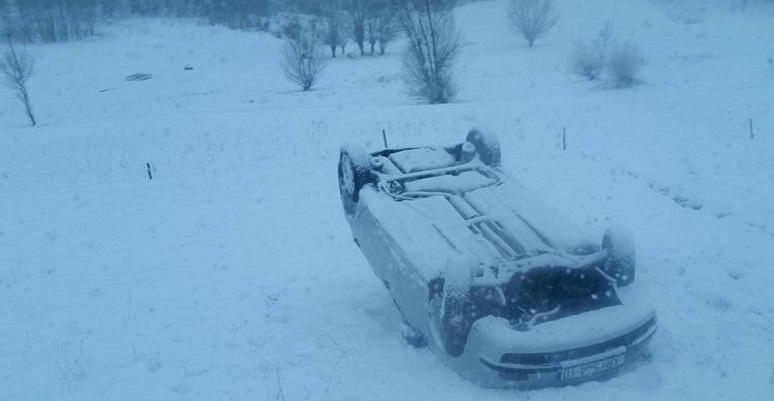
(232, 273)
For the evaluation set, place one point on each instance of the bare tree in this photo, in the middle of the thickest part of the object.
(381, 27)
(332, 32)
(357, 10)
(343, 44)
(17, 67)
(333, 25)
(532, 19)
(387, 31)
(434, 44)
(345, 27)
(375, 12)
(625, 63)
(372, 33)
(302, 60)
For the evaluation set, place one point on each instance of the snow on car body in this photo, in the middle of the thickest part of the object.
(501, 287)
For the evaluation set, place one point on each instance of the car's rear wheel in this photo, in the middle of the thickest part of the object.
(353, 175)
(621, 256)
(487, 146)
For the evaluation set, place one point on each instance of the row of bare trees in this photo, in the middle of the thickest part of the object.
(48, 20)
(434, 42)
(63, 20)
(428, 25)
(428, 63)
(368, 23)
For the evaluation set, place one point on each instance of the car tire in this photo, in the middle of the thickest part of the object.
(449, 318)
(621, 256)
(353, 175)
(487, 146)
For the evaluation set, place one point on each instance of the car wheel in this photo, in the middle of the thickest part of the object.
(621, 256)
(449, 319)
(487, 146)
(353, 175)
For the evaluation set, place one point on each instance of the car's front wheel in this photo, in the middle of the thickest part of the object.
(446, 310)
(449, 325)
(621, 256)
(353, 175)
(453, 308)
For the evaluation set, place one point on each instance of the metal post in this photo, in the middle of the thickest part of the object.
(564, 138)
(384, 137)
(752, 133)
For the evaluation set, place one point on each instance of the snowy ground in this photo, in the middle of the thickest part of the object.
(233, 270)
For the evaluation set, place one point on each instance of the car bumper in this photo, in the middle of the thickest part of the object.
(591, 346)
(572, 366)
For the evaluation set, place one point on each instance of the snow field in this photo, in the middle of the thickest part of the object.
(233, 271)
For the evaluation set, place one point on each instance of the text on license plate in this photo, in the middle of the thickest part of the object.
(592, 368)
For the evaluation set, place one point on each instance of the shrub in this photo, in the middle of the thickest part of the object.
(302, 60)
(625, 63)
(588, 60)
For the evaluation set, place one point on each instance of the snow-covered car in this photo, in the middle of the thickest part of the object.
(502, 288)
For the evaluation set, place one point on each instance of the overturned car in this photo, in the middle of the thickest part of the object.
(494, 281)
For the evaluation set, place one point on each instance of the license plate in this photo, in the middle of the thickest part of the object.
(592, 368)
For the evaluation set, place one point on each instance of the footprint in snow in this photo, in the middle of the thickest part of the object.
(153, 366)
(182, 388)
